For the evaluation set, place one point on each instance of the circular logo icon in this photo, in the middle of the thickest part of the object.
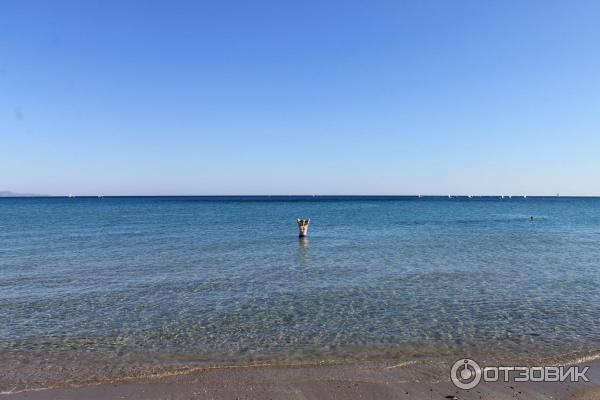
(465, 373)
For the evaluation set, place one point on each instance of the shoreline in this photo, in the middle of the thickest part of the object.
(407, 380)
(89, 371)
(432, 368)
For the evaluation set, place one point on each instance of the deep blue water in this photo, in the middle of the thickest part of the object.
(227, 279)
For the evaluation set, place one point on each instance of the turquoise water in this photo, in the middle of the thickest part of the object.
(148, 282)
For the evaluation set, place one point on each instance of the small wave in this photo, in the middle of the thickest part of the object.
(582, 359)
(402, 364)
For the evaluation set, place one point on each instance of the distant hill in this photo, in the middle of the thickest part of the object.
(6, 193)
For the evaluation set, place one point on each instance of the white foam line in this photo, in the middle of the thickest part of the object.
(14, 391)
(402, 364)
(581, 360)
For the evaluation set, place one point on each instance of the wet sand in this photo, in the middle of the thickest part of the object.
(357, 381)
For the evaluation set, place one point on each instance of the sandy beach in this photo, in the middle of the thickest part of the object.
(356, 381)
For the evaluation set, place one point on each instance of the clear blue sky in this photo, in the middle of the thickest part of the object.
(282, 97)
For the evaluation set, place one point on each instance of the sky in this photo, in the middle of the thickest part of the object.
(281, 97)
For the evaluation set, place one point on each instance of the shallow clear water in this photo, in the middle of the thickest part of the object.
(180, 280)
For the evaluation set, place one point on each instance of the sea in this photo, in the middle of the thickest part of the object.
(97, 289)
